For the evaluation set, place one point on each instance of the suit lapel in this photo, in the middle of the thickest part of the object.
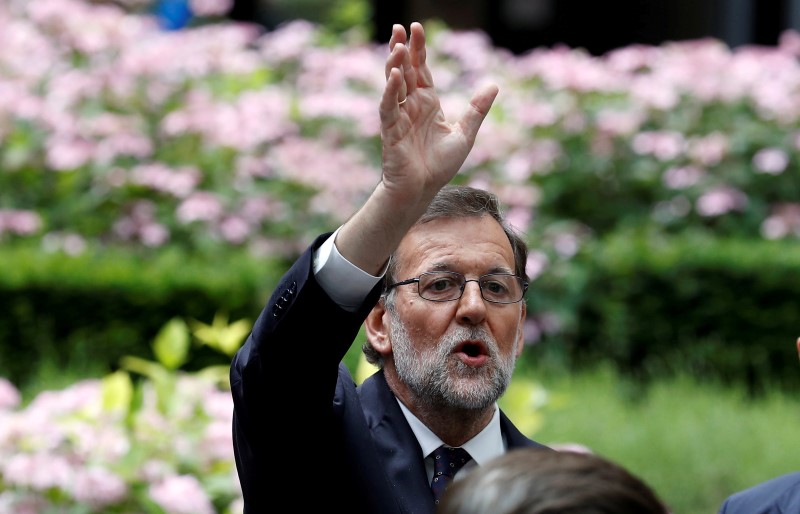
(396, 445)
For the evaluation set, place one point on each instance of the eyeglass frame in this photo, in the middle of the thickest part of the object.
(523, 283)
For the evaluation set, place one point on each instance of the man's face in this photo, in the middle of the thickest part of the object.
(459, 353)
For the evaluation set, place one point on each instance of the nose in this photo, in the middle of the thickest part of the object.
(471, 305)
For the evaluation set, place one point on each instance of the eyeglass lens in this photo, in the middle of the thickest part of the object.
(444, 286)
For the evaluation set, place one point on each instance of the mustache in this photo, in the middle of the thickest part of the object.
(456, 337)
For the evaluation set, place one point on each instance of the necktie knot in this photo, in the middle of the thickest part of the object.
(446, 463)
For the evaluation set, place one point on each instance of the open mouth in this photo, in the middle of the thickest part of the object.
(472, 352)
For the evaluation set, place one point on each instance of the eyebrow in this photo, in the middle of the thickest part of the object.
(441, 266)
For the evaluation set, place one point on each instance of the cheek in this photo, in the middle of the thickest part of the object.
(424, 321)
(508, 331)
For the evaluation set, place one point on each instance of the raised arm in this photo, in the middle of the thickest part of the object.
(421, 152)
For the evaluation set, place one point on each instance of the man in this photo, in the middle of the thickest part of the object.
(437, 281)
(780, 495)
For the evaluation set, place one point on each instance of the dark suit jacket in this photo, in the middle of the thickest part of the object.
(780, 495)
(300, 422)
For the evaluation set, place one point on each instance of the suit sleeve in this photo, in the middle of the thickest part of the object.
(284, 377)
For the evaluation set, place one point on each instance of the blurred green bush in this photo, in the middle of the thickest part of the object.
(84, 312)
(175, 173)
(660, 306)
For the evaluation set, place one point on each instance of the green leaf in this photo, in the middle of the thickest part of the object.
(221, 336)
(117, 391)
(171, 344)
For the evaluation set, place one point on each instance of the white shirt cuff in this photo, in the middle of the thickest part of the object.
(345, 283)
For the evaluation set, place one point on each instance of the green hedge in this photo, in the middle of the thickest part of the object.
(724, 309)
(718, 308)
(84, 313)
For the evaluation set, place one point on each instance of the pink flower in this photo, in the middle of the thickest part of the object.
(181, 495)
(235, 230)
(98, 487)
(536, 264)
(9, 395)
(200, 206)
(772, 161)
(153, 234)
(40, 471)
(721, 200)
(210, 7)
(19, 222)
(782, 222)
(710, 149)
(664, 146)
(681, 177)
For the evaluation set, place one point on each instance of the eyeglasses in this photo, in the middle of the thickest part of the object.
(447, 286)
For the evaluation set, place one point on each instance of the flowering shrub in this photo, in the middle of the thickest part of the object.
(161, 445)
(115, 132)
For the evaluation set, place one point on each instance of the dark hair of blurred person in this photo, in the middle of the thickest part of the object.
(533, 481)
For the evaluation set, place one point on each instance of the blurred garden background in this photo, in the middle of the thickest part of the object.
(160, 169)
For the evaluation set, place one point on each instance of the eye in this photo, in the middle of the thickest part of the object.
(441, 283)
(496, 287)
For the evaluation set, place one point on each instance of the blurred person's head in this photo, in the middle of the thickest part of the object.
(536, 481)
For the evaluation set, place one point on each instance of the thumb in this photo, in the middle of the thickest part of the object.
(476, 112)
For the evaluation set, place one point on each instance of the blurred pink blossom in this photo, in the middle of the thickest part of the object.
(720, 200)
(200, 206)
(9, 395)
(235, 230)
(67, 242)
(181, 495)
(619, 123)
(39, 471)
(783, 221)
(19, 222)
(682, 177)
(772, 161)
(178, 182)
(710, 149)
(210, 7)
(537, 263)
(98, 487)
(68, 154)
(153, 234)
(664, 145)
(289, 43)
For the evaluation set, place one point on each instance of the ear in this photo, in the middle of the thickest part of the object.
(521, 328)
(376, 327)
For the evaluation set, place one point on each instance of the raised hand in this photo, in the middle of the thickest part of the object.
(422, 151)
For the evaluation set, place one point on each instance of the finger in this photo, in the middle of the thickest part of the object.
(398, 36)
(418, 55)
(390, 102)
(478, 108)
(409, 74)
(398, 57)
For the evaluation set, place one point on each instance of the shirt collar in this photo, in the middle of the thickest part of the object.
(487, 444)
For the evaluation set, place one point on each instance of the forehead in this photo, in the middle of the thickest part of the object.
(468, 245)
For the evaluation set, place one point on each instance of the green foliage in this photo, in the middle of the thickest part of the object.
(220, 335)
(659, 305)
(171, 348)
(336, 17)
(82, 313)
(694, 440)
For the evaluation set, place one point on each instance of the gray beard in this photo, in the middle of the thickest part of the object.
(441, 380)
